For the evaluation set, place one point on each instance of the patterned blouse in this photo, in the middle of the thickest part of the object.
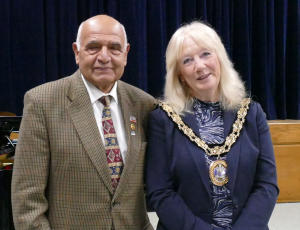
(210, 122)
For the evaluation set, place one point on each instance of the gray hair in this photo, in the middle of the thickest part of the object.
(231, 88)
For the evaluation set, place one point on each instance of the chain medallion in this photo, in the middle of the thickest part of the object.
(218, 168)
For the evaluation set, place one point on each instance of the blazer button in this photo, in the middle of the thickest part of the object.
(116, 204)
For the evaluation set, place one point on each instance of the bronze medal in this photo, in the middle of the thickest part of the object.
(218, 172)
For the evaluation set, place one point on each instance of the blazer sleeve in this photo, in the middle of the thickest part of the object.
(31, 166)
(261, 201)
(171, 209)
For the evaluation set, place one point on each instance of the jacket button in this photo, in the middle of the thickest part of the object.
(116, 204)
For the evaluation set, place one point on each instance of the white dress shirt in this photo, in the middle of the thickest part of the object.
(95, 94)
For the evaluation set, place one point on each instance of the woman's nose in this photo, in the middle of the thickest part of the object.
(199, 64)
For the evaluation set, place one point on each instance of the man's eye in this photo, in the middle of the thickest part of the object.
(92, 49)
(115, 50)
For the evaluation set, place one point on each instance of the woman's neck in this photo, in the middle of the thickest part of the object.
(208, 97)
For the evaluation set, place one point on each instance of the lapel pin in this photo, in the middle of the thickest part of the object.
(132, 125)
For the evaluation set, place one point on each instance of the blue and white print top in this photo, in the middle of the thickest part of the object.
(210, 122)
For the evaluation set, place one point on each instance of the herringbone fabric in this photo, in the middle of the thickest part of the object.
(113, 153)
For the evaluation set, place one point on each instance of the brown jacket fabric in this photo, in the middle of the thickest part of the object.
(61, 179)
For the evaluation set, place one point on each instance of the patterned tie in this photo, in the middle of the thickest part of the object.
(113, 153)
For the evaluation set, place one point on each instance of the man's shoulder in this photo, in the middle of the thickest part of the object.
(134, 92)
(52, 87)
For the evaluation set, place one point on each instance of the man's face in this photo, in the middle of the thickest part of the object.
(103, 54)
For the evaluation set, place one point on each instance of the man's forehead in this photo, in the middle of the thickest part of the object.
(103, 32)
(103, 38)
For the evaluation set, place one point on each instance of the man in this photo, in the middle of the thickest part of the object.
(80, 156)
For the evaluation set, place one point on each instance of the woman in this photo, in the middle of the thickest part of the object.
(210, 160)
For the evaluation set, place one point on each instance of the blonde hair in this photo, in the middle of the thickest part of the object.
(231, 88)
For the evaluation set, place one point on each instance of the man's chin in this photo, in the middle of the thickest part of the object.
(104, 77)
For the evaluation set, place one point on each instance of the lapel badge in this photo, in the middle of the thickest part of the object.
(132, 125)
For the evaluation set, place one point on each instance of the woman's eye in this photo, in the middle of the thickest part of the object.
(187, 61)
(205, 54)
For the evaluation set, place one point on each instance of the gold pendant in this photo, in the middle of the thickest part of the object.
(217, 172)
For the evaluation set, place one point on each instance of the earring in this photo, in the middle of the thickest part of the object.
(182, 81)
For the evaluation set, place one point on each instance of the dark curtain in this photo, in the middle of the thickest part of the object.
(261, 37)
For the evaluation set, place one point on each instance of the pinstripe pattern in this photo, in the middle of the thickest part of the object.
(61, 179)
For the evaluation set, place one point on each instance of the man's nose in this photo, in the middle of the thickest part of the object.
(103, 55)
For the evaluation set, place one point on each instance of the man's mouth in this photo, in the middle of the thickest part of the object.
(104, 69)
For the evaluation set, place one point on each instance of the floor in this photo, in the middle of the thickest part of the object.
(286, 216)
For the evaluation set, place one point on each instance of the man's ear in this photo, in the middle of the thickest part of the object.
(126, 52)
(128, 48)
(76, 52)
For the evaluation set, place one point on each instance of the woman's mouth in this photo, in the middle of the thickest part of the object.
(203, 76)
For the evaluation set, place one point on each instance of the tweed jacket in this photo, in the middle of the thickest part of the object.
(177, 178)
(61, 179)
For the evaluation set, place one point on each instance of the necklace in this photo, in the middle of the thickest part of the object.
(218, 168)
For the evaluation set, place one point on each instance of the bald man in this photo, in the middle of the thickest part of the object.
(80, 156)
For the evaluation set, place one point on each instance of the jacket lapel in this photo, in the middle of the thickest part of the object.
(128, 109)
(83, 118)
(197, 153)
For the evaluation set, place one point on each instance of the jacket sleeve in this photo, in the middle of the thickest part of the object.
(171, 209)
(30, 172)
(261, 201)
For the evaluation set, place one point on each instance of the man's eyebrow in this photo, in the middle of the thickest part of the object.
(110, 43)
(114, 43)
(93, 42)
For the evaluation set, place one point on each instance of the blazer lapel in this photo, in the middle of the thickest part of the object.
(128, 109)
(83, 118)
(197, 153)
(234, 153)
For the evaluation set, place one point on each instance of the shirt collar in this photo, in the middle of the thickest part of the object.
(95, 93)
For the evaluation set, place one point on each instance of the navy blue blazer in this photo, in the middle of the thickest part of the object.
(177, 178)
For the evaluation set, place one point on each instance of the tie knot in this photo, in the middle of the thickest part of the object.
(105, 100)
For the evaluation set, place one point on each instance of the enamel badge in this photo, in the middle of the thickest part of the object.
(132, 125)
(218, 172)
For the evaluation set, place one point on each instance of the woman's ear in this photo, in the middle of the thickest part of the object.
(181, 79)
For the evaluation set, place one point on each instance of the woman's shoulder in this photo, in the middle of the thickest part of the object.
(256, 116)
(255, 109)
(160, 115)
(158, 112)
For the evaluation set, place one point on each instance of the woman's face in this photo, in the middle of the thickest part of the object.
(199, 70)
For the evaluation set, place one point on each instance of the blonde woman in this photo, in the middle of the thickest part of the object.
(210, 160)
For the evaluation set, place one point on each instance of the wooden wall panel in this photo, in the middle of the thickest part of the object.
(286, 141)
(288, 171)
